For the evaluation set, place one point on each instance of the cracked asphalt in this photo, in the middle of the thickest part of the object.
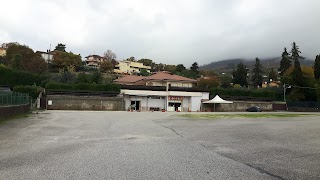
(156, 145)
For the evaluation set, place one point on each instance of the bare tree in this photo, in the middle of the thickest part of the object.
(109, 55)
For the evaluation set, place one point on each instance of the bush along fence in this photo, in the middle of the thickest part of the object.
(14, 98)
(256, 94)
(82, 89)
(114, 88)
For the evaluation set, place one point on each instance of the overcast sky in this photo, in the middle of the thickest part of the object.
(166, 31)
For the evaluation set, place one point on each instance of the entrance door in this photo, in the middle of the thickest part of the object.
(174, 106)
(135, 105)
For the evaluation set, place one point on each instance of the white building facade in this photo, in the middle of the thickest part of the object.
(146, 100)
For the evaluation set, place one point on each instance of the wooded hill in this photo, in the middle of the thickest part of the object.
(267, 63)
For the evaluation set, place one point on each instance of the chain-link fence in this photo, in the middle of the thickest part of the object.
(14, 98)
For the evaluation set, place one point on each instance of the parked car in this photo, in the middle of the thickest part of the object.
(254, 109)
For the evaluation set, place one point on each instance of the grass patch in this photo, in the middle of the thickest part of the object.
(15, 117)
(228, 116)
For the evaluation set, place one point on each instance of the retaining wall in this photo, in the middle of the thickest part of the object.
(13, 110)
(95, 103)
(238, 106)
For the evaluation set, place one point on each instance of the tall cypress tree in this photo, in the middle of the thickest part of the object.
(257, 73)
(273, 75)
(317, 67)
(240, 75)
(297, 76)
(285, 62)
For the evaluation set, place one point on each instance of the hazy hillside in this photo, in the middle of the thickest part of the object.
(229, 64)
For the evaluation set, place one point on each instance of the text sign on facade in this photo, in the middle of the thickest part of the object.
(175, 98)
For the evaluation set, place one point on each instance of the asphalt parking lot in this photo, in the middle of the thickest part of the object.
(156, 145)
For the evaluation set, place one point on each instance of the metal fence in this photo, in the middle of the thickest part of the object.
(304, 106)
(14, 98)
(82, 93)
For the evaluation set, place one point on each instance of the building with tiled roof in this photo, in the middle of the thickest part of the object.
(130, 67)
(47, 56)
(131, 80)
(161, 78)
(94, 60)
(161, 90)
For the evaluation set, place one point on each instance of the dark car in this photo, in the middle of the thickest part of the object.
(254, 109)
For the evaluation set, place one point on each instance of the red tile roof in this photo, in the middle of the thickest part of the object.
(130, 79)
(158, 76)
(166, 76)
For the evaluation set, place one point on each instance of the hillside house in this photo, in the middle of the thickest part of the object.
(94, 60)
(130, 67)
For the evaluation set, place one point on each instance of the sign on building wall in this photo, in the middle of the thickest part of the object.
(175, 98)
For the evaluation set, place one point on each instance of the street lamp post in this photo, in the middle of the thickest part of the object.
(285, 87)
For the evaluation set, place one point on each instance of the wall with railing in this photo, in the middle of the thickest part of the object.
(13, 104)
(14, 98)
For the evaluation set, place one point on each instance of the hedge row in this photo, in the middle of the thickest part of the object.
(269, 93)
(13, 77)
(83, 86)
(33, 91)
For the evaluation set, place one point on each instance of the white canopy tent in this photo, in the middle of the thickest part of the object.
(217, 100)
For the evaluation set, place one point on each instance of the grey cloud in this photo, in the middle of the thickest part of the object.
(166, 31)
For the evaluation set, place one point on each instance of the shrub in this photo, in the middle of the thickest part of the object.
(33, 91)
(274, 94)
(83, 86)
(13, 77)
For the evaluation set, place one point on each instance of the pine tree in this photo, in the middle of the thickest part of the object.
(285, 62)
(273, 75)
(297, 76)
(240, 75)
(257, 73)
(194, 73)
(60, 47)
(317, 67)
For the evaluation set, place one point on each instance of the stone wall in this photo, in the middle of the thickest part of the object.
(95, 103)
(238, 106)
(13, 110)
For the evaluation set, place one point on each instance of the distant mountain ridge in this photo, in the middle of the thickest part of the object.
(267, 63)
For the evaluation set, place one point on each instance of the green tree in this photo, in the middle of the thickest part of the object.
(146, 62)
(208, 73)
(131, 59)
(285, 62)
(317, 67)
(106, 66)
(257, 74)
(273, 75)
(23, 51)
(96, 77)
(170, 68)
(158, 67)
(194, 67)
(194, 70)
(180, 68)
(66, 75)
(225, 81)
(15, 62)
(65, 59)
(36, 65)
(144, 72)
(297, 76)
(208, 83)
(60, 47)
(82, 78)
(21, 57)
(240, 75)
